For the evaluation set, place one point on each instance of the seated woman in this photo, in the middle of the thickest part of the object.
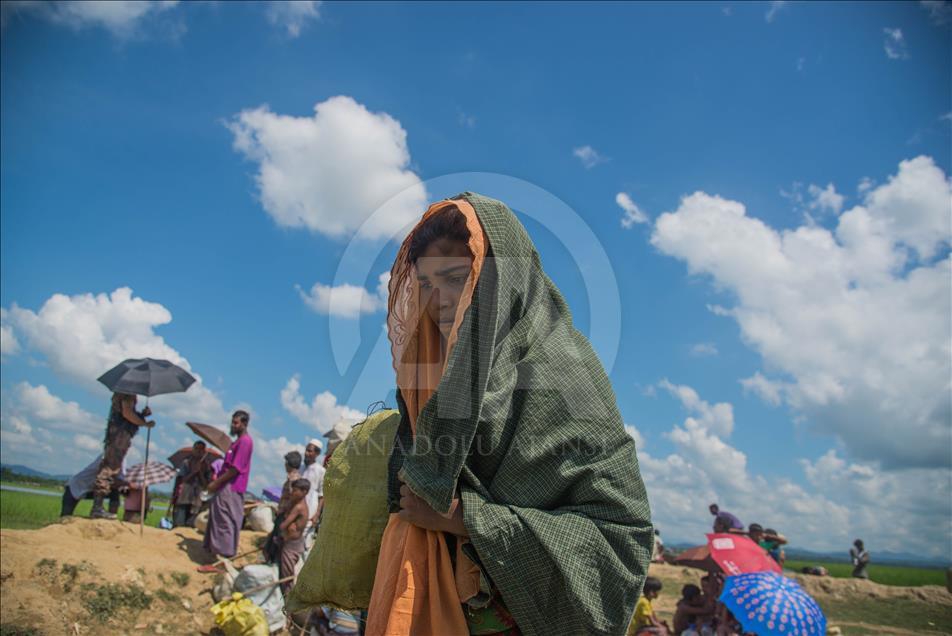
(517, 505)
(134, 504)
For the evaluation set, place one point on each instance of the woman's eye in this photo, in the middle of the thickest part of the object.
(425, 285)
(458, 280)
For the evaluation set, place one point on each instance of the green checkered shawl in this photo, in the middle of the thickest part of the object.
(524, 428)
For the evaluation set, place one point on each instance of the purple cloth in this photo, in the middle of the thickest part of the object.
(226, 512)
(732, 521)
(239, 458)
(216, 467)
(272, 494)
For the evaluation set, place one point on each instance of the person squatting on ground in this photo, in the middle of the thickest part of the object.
(292, 530)
(81, 484)
(226, 510)
(124, 423)
(513, 485)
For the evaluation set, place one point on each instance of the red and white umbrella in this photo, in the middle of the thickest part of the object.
(148, 474)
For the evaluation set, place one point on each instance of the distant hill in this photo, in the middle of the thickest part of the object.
(26, 471)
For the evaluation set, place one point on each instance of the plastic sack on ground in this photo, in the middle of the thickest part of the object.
(226, 585)
(268, 599)
(261, 519)
(238, 616)
(340, 568)
(201, 521)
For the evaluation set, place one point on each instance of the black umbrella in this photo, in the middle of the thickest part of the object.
(147, 377)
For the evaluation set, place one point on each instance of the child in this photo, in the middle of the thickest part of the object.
(272, 546)
(694, 612)
(292, 530)
(773, 543)
(292, 466)
(645, 621)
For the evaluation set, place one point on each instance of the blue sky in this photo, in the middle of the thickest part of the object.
(781, 346)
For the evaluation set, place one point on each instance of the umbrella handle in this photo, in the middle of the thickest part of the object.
(143, 508)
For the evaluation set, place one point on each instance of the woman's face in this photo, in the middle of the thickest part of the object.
(442, 271)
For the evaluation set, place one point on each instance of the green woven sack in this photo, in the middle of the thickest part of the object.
(340, 568)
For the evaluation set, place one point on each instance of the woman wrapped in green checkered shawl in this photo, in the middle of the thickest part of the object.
(524, 429)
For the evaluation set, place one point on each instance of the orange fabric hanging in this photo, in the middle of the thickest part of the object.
(416, 590)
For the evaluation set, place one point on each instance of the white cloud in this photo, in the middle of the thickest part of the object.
(328, 173)
(293, 15)
(940, 11)
(588, 156)
(704, 349)
(718, 418)
(825, 198)
(121, 17)
(840, 501)
(9, 345)
(774, 9)
(346, 301)
(267, 462)
(636, 435)
(47, 410)
(914, 206)
(85, 335)
(633, 214)
(322, 413)
(87, 443)
(727, 11)
(801, 62)
(895, 44)
(46, 432)
(859, 337)
(893, 507)
(813, 199)
(769, 391)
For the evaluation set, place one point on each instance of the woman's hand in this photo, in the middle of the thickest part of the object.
(415, 510)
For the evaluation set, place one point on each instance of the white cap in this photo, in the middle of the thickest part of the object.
(316, 442)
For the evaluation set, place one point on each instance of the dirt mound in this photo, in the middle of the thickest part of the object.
(846, 589)
(83, 576)
(674, 577)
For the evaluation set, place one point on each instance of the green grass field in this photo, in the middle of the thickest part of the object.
(27, 511)
(885, 574)
(157, 496)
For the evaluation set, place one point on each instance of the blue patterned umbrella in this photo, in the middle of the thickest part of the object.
(769, 604)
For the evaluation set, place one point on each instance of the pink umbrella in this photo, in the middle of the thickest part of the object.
(728, 553)
(737, 554)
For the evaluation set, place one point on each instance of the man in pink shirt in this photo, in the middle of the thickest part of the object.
(226, 509)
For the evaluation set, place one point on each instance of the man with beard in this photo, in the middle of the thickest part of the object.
(226, 509)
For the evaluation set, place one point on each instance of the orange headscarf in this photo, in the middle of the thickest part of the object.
(416, 590)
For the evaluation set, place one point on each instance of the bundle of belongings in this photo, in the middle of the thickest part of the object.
(338, 576)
